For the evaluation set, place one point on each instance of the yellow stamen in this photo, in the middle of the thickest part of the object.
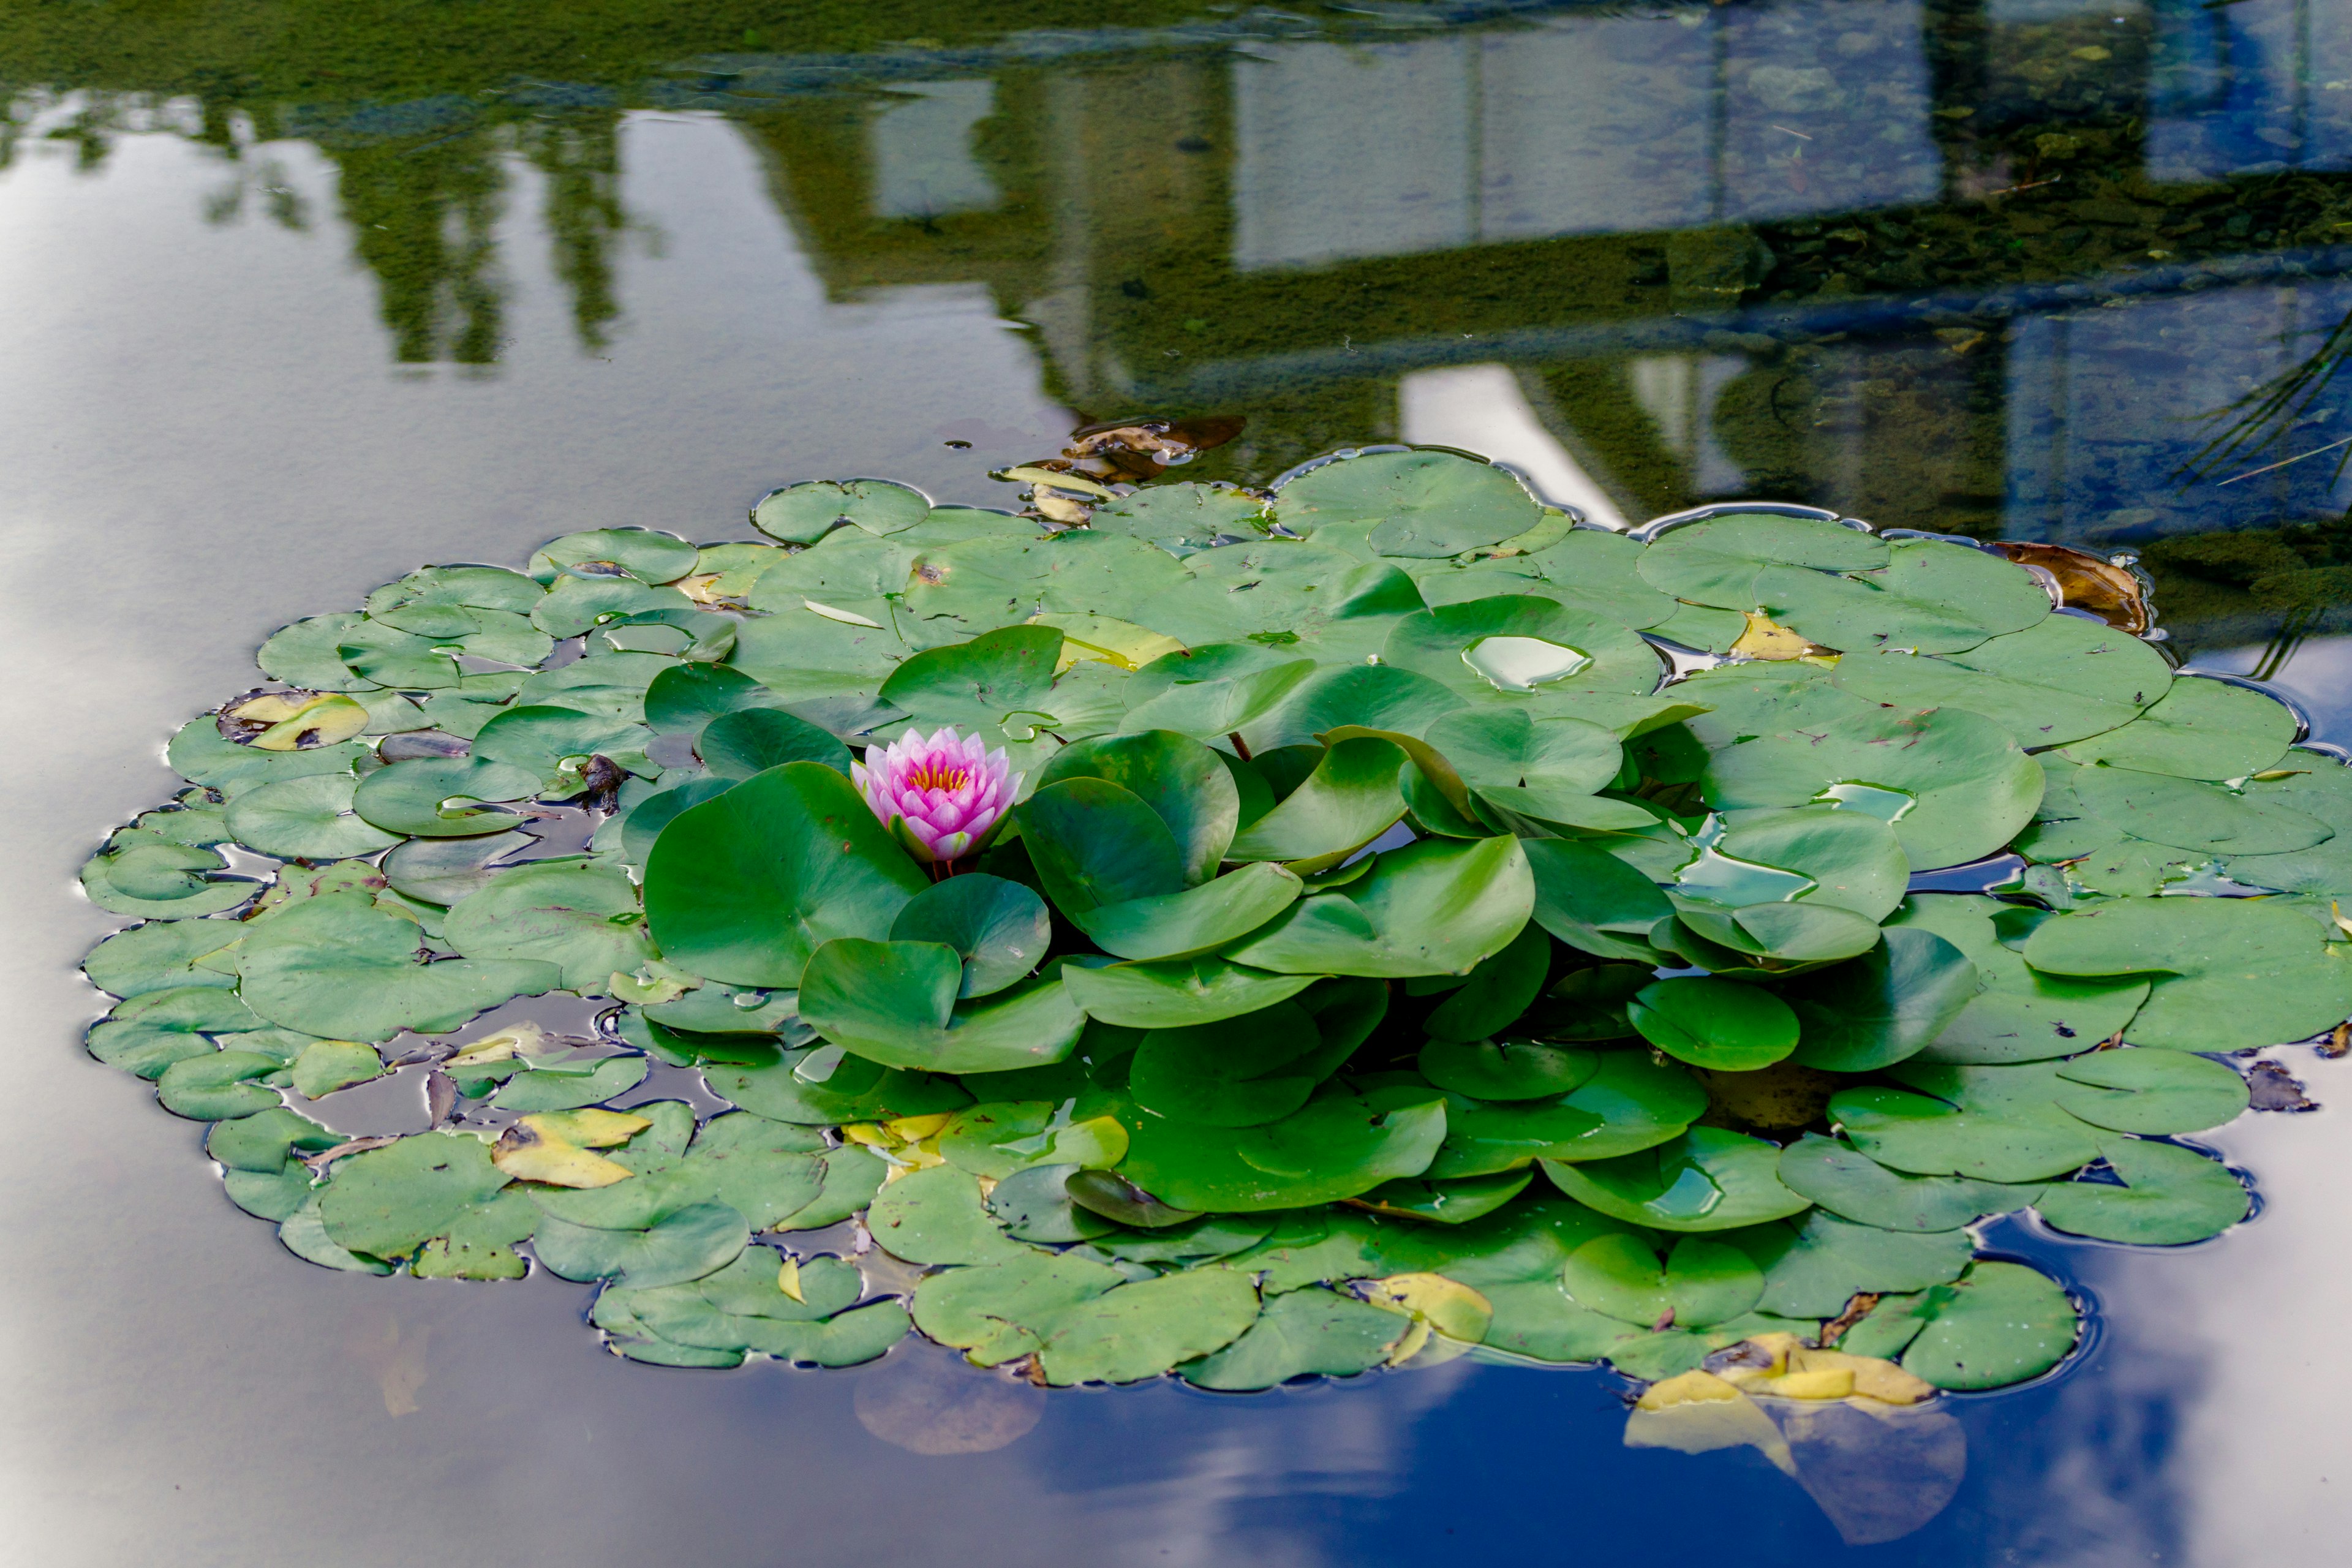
(933, 776)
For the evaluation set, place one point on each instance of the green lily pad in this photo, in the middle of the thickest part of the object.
(1431, 908)
(331, 1064)
(1184, 518)
(1706, 1179)
(936, 1215)
(478, 587)
(753, 739)
(1302, 1333)
(480, 1245)
(217, 1085)
(387, 1203)
(438, 797)
(146, 1034)
(541, 739)
(2168, 1196)
(2233, 974)
(806, 512)
(2062, 679)
(1340, 1146)
(1931, 1137)
(827, 870)
(1184, 783)
(1716, 1024)
(305, 818)
(851, 1089)
(1228, 1074)
(2021, 1014)
(580, 917)
(1094, 843)
(1196, 921)
(894, 1003)
(1592, 900)
(1631, 1103)
(142, 875)
(1999, 1324)
(304, 1234)
(161, 956)
(1368, 695)
(2145, 1089)
(1890, 1004)
(647, 555)
(1930, 597)
(1457, 1202)
(1716, 560)
(1514, 644)
(1425, 504)
(1035, 1205)
(999, 929)
(993, 1312)
(1142, 1330)
(687, 1243)
(1971, 788)
(338, 967)
(1506, 1070)
(1814, 1266)
(2186, 814)
(683, 697)
(1536, 1319)
(1174, 993)
(541, 1087)
(2199, 729)
(1498, 991)
(1697, 1283)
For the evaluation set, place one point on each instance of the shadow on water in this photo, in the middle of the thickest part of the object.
(303, 297)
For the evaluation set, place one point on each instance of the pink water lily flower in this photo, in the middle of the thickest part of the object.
(939, 797)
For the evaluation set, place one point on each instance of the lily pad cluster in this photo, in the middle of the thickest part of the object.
(1428, 926)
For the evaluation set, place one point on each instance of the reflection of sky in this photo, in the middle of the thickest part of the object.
(1583, 125)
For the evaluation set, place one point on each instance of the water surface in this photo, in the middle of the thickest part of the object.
(299, 299)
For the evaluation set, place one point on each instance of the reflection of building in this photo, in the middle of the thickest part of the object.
(1853, 252)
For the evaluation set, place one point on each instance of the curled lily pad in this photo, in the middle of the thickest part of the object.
(1174, 993)
(1431, 908)
(1336, 1147)
(1182, 782)
(1889, 1004)
(999, 929)
(754, 921)
(1506, 1070)
(1706, 1179)
(1351, 798)
(752, 740)
(2163, 1194)
(1631, 1103)
(1717, 1024)
(1522, 643)
(1210, 690)
(1196, 921)
(894, 1003)
(1457, 1202)
(683, 697)
(1592, 900)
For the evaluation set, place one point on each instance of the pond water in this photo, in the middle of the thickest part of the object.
(299, 299)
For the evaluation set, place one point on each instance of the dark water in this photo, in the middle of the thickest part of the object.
(294, 297)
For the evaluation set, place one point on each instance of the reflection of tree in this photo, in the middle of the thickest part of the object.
(423, 214)
(580, 154)
(2268, 416)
